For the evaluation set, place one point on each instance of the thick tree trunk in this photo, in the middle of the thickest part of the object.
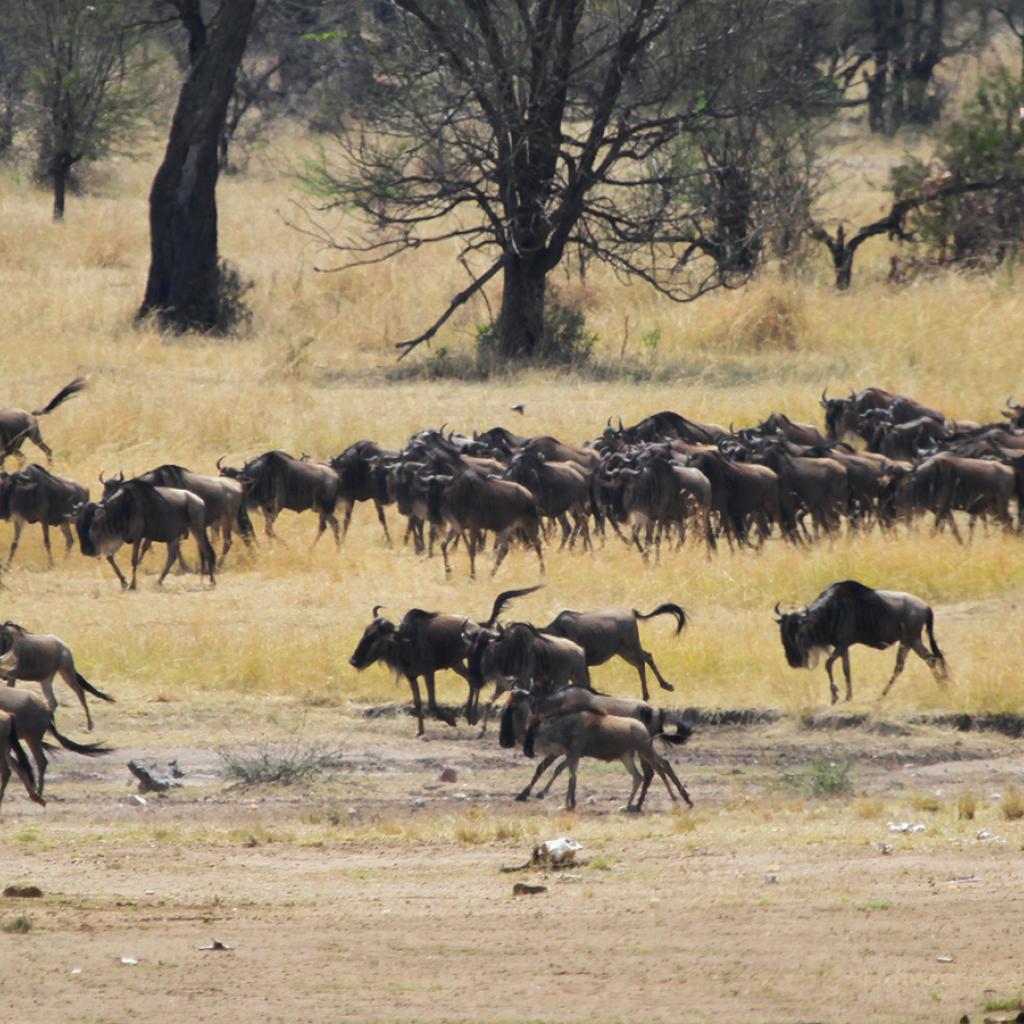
(522, 309)
(182, 284)
(60, 189)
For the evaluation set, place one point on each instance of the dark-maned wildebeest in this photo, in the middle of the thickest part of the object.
(356, 468)
(664, 426)
(818, 486)
(275, 481)
(140, 512)
(613, 632)
(13, 757)
(849, 613)
(17, 424)
(34, 720)
(37, 658)
(423, 644)
(795, 433)
(743, 493)
(561, 489)
(35, 495)
(573, 699)
(586, 734)
(472, 504)
(223, 499)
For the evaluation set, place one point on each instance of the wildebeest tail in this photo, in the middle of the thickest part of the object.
(88, 687)
(86, 749)
(66, 392)
(506, 597)
(666, 609)
(683, 728)
(930, 625)
(23, 762)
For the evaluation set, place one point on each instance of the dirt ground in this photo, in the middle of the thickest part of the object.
(374, 892)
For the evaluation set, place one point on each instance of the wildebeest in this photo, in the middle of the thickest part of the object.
(666, 426)
(849, 613)
(796, 433)
(472, 504)
(140, 512)
(573, 699)
(275, 481)
(223, 499)
(586, 734)
(560, 488)
(17, 424)
(423, 644)
(357, 481)
(741, 493)
(35, 495)
(13, 757)
(34, 720)
(614, 632)
(37, 658)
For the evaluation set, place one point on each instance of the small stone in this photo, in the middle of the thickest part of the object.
(448, 775)
(522, 889)
(129, 961)
(23, 892)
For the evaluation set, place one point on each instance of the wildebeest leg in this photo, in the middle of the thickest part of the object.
(649, 659)
(846, 673)
(559, 768)
(383, 521)
(269, 517)
(69, 539)
(225, 537)
(901, 660)
(46, 543)
(117, 572)
(444, 554)
(642, 672)
(831, 682)
(541, 768)
(567, 531)
(535, 541)
(630, 763)
(417, 703)
(14, 543)
(570, 792)
(501, 542)
(173, 548)
(665, 765)
(37, 439)
(70, 676)
(51, 698)
(347, 518)
(35, 747)
(432, 701)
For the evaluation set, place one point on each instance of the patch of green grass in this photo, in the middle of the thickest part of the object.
(823, 778)
(1004, 1004)
(876, 905)
(20, 925)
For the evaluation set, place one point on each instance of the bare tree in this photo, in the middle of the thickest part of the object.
(184, 284)
(530, 129)
(81, 81)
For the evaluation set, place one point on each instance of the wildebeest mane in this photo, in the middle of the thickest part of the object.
(168, 475)
(83, 525)
(134, 496)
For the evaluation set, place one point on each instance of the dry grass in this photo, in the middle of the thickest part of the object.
(313, 377)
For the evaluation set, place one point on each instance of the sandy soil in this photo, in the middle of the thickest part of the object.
(374, 892)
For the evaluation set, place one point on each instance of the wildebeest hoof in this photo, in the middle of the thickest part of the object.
(631, 810)
(667, 686)
(522, 798)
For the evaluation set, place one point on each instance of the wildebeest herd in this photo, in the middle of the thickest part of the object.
(651, 484)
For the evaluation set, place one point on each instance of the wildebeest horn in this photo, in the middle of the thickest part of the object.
(621, 427)
(220, 459)
(101, 477)
(608, 425)
(376, 610)
(824, 399)
(778, 610)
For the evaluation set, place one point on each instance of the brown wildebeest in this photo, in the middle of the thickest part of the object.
(357, 470)
(13, 757)
(613, 632)
(572, 699)
(795, 433)
(34, 720)
(35, 495)
(223, 500)
(604, 737)
(37, 658)
(473, 504)
(423, 644)
(275, 481)
(849, 613)
(17, 424)
(139, 512)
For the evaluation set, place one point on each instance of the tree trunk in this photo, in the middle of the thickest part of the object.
(183, 275)
(522, 309)
(60, 189)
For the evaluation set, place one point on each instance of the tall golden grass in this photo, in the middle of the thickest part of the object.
(315, 374)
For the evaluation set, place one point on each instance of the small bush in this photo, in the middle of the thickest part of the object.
(825, 778)
(20, 925)
(233, 313)
(566, 341)
(966, 805)
(1012, 804)
(925, 802)
(267, 763)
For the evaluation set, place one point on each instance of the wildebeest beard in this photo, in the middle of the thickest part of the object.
(83, 525)
(798, 641)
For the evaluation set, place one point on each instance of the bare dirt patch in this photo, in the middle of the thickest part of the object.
(374, 892)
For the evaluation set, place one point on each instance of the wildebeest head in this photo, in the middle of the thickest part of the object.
(518, 704)
(477, 647)
(9, 631)
(1014, 412)
(84, 519)
(838, 415)
(437, 485)
(793, 627)
(112, 484)
(378, 643)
